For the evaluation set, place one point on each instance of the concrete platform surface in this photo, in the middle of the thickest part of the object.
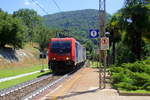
(83, 85)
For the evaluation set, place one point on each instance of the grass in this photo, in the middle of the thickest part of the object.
(29, 64)
(13, 71)
(14, 82)
(94, 64)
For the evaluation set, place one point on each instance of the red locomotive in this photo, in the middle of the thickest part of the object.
(64, 54)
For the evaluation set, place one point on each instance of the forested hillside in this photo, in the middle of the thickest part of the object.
(77, 22)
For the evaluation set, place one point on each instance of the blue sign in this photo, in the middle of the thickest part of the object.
(94, 33)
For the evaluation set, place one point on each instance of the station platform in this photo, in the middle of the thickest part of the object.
(84, 85)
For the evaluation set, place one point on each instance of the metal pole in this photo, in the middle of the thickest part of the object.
(102, 10)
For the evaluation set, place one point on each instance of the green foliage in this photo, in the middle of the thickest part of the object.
(115, 69)
(136, 28)
(118, 77)
(12, 31)
(138, 66)
(94, 64)
(146, 49)
(124, 54)
(113, 27)
(129, 32)
(147, 86)
(23, 26)
(131, 76)
(134, 2)
(89, 46)
(31, 20)
(140, 79)
(14, 71)
(43, 36)
(126, 86)
(14, 82)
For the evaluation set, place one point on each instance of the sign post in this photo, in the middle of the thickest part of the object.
(94, 33)
(102, 45)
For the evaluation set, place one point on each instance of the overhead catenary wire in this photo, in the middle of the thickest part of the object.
(57, 5)
(40, 7)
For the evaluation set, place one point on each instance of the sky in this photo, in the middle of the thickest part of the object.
(50, 7)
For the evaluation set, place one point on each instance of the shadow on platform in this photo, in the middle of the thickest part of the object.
(77, 93)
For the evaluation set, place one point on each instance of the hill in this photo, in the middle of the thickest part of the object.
(77, 22)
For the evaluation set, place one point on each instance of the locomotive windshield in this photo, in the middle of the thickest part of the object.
(61, 47)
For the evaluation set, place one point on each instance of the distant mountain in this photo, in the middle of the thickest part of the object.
(78, 22)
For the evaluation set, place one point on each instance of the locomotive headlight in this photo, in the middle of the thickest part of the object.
(54, 58)
(67, 58)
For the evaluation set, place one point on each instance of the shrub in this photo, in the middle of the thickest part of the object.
(124, 54)
(116, 69)
(140, 79)
(138, 66)
(118, 77)
(126, 86)
(147, 86)
(131, 76)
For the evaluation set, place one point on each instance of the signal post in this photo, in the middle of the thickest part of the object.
(102, 48)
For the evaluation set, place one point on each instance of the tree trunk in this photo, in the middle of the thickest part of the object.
(113, 48)
(113, 52)
(139, 48)
(136, 48)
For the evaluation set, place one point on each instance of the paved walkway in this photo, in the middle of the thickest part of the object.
(84, 86)
(18, 76)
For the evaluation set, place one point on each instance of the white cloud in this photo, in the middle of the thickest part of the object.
(26, 2)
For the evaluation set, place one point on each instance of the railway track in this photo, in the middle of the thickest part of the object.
(18, 91)
(28, 90)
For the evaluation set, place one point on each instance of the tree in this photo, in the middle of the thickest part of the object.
(131, 25)
(43, 36)
(12, 31)
(115, 35)
(30, 19)
(136, 23)
(134, 2)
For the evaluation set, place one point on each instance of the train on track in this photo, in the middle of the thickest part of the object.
(65, 54)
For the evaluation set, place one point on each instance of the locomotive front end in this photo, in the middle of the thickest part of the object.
(60, 55)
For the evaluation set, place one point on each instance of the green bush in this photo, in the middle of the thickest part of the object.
(118, 77)
(131, 76)
(146, 49)
(147, 61)
(126, 86)
(138, 66)
(147, 86)
(124, 55)
(121, 70)
(140, 79)
(116, 69)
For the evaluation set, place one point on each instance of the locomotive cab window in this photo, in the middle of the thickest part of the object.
(61, 47)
